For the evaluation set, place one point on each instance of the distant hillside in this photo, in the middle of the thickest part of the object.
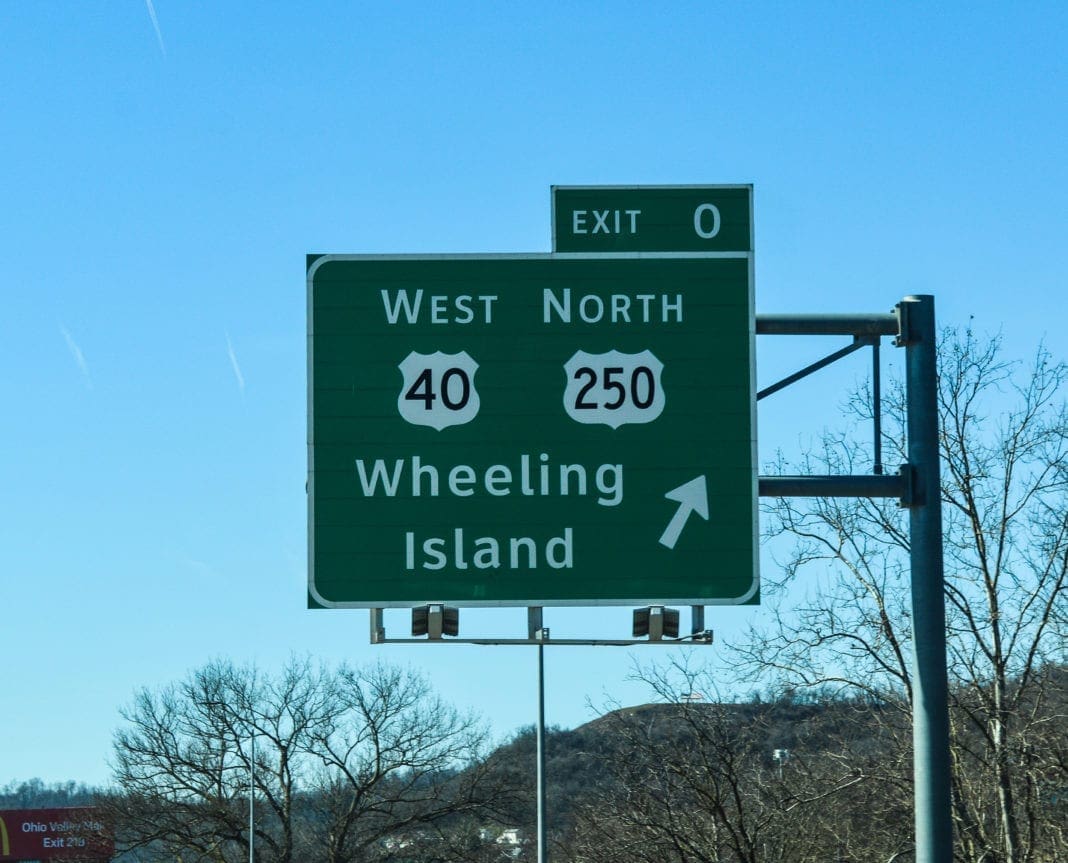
(35, 794)
(581, 762)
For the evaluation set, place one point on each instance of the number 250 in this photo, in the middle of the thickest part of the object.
(641, 391)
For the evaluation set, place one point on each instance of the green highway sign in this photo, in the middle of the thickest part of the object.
(663, 219)
(531, 430)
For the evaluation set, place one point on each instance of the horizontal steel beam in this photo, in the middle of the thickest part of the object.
(835, 486)
(828, 325)
(686, 640)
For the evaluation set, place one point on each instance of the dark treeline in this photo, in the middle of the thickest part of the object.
(35, 794)
(793, 779)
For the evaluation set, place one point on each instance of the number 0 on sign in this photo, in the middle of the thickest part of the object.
(531, 430)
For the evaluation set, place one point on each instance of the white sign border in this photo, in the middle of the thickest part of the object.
(540, 256)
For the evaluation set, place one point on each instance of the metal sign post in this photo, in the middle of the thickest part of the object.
(930, 699)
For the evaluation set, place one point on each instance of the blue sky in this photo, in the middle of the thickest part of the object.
(160, 192)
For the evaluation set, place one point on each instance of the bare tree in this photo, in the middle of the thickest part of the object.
(707, 781)
(1004, 442)
(388, 765)
(344, 760)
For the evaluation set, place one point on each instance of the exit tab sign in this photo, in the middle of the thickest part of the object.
(657, 219)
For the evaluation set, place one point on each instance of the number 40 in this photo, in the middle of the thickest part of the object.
(455, 389)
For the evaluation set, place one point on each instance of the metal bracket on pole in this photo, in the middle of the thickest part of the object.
(378, 631)
(908, 480)
(905, 334)
(534, 623)
(697, 621)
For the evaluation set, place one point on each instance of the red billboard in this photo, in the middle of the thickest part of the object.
(71, 833)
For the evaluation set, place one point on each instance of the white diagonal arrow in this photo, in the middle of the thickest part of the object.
(692, 496)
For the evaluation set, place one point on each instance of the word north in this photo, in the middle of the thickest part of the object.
(486, 552)
(616, 308)
(498, 480)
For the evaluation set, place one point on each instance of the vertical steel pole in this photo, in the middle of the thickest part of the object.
(930, 689)
(252, 804)
(876, 408)
(543, 851)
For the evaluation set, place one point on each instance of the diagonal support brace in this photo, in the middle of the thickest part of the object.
(858, 343)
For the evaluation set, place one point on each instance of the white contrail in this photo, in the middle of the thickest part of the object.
(155, 24)
(233, 363)
(79, 357)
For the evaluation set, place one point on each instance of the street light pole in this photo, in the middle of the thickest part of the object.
(251, 774)
(252, 803)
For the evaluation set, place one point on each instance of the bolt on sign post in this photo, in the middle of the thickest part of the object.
(532, 429)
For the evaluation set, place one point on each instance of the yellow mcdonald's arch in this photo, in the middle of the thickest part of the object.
(5, 846)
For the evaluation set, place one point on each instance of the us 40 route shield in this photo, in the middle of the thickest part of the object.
(531, 430)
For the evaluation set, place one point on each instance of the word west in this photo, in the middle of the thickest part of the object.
(442, 309)
(497, 480)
